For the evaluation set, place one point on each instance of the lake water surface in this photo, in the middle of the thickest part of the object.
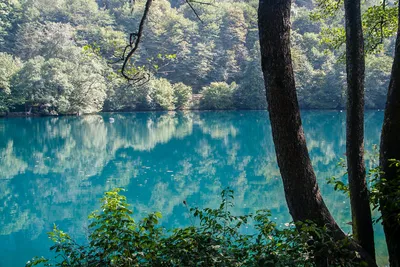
(54, 170)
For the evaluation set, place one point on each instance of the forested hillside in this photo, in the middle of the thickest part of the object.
(64, 57)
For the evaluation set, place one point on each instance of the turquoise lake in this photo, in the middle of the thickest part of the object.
(55, 170)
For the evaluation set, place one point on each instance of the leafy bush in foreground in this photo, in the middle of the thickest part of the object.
(115, 239)
(384, 194)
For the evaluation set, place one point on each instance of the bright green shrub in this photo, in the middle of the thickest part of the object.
(161, 94)
(115, 239)
(218, 95)
(73, 86)
(8, 67)
(183, 94)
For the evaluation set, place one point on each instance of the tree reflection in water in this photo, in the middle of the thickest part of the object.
(54, 170)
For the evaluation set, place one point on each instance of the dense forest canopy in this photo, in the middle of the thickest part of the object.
(64, 57)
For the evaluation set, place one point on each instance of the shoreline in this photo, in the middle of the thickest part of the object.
(37, 115)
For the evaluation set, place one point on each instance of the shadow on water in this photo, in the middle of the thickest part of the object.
(54, 170)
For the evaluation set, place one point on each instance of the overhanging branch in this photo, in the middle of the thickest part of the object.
(134, 41)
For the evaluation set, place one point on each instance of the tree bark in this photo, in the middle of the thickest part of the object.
(301, 189)
(390, 149)
(355, 65)
(302, 193)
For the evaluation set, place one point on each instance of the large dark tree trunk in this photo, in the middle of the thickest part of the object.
(355, 66)
(390, 149)
(301, 189)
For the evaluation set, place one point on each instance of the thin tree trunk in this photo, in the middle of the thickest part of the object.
(302, 193)
(355, 65)
(390, 149)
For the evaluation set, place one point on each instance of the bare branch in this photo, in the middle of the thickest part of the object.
(134, 40)
(202, 3)
(194, 10)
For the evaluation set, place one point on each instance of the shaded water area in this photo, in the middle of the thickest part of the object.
(54, 170)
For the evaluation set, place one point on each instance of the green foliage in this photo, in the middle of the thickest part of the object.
(333, 37)
(49, 40)
(223, 48)
(67, 86)
(379, 20)
(161, 94)
(377, 75)
(218, 96)
(182, 94)
(338, 184)
(327, 8)
(385, 194)
(8, 67)
(109, 41)
(320, 79)
(115, 239)
(250, 93)
(156, 94)
(10, 14)
(125, 97)
(76, 12)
